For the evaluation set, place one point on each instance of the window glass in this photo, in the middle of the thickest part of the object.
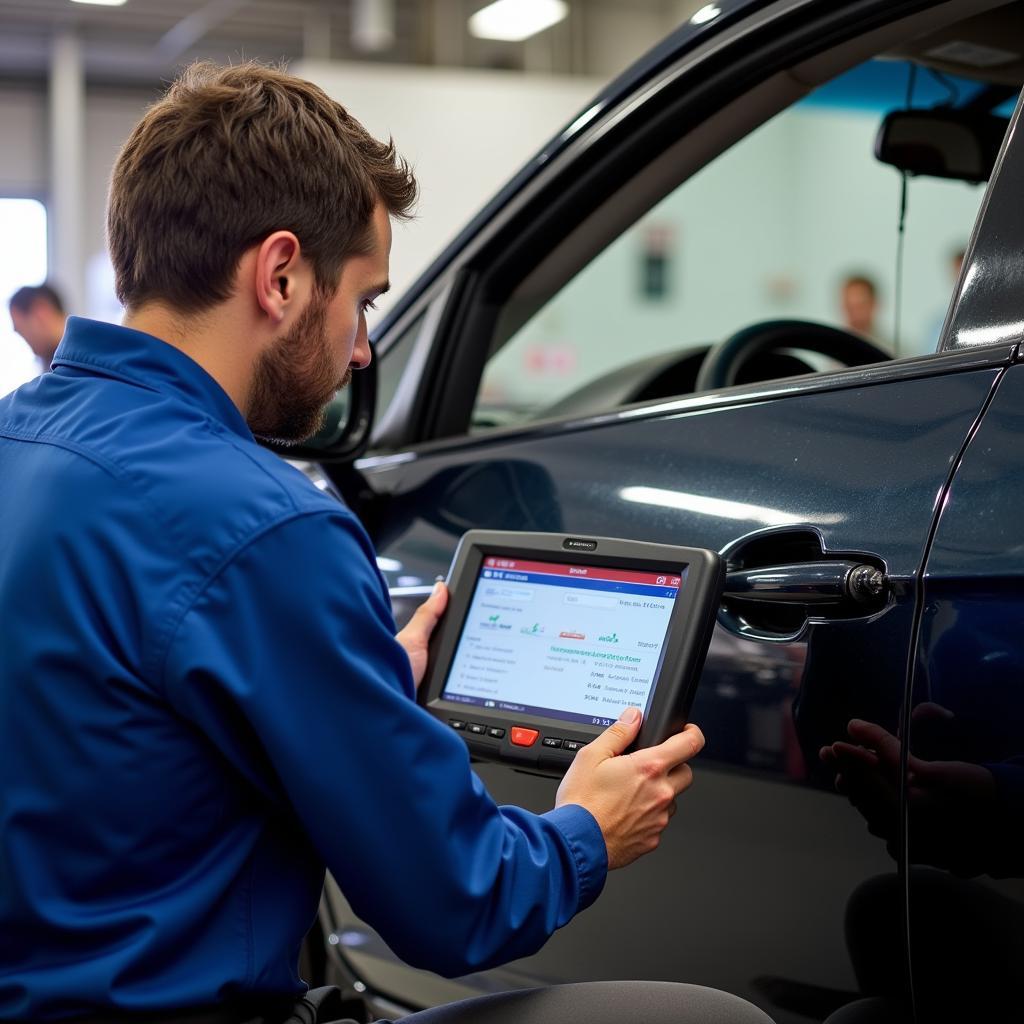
(392, 363)
(22, 262)
(798, 220)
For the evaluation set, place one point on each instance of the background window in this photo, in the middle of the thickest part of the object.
(22, 261)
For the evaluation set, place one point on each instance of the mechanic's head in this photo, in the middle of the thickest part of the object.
(249, 190)
(37, 314)
(859, 299)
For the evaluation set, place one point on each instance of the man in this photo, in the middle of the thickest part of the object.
(858, 298)
(37, 314)
(202, 702)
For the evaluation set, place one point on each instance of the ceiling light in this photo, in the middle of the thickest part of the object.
(102, 3)
(516, 20)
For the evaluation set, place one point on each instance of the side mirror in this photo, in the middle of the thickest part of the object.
(942, 142)
(348, 420)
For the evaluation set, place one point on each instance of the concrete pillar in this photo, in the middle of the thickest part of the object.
(67, 169)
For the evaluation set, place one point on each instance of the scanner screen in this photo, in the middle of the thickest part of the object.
(574, 642)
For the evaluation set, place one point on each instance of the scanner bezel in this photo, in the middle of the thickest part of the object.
(682, 655)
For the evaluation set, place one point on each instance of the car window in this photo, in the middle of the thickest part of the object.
(391, 364)
(798, 220)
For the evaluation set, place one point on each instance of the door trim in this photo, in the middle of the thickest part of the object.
(915, 368)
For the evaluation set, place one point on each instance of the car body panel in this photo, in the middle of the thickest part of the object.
(862, 468)
(966, 850)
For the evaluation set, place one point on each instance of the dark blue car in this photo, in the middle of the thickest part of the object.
(634, 339)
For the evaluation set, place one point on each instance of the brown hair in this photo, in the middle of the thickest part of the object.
(861, 281)
(227, 157)
(25, 297)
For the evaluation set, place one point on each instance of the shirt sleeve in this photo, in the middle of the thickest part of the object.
(287, 661)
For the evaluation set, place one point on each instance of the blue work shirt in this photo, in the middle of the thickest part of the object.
(202, 705)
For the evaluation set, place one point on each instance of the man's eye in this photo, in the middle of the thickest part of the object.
(368, 304)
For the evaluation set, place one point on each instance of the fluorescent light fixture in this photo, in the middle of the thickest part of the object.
(707, 13)
(102, 3)
(516, 20)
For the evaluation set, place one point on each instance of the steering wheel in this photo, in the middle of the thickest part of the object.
(723, 364)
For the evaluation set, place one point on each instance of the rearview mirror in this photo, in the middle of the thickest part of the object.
(348, 419)
(941, 143)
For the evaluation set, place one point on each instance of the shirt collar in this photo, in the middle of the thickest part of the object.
(109, 350)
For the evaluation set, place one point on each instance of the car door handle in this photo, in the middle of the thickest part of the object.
(804, 583)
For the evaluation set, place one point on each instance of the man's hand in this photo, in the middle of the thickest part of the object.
(952, 804)
(867, 771)
(631, 796)
(416, 635)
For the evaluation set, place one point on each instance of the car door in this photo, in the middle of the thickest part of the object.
(761, 872)
(749, 890)
(965, 723)
(965, 776)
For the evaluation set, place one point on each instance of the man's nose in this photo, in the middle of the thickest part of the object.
(361, 353)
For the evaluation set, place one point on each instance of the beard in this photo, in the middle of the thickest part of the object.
(294, 379)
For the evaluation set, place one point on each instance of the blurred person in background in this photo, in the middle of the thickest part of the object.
(956, 262)
(858, 298)
(37, 313)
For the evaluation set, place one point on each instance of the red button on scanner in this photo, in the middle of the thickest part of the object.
(522, 737)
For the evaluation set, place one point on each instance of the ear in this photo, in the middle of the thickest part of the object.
(279, 277)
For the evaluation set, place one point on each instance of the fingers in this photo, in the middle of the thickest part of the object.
(415, 636)
(677, 749)
(669, 759)
(849, 753)
(931, 710)
(427, 615)
(632, 797)
(435, 605)
(680, 778)
(869, 734)
(617, 737)
(868, 784)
